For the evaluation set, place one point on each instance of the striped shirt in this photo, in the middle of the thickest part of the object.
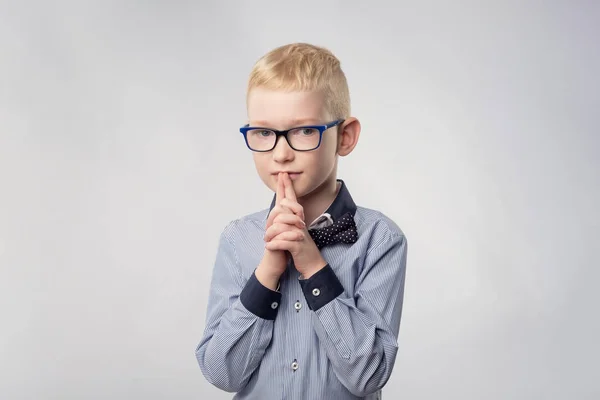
(332, 336)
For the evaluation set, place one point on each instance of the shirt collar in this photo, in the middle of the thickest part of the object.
(342, 204)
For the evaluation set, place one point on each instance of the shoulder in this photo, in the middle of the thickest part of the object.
(243, 225)
(378, 226)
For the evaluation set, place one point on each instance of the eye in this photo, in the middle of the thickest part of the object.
(309, 131)
(261, 132)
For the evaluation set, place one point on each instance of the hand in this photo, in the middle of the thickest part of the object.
(274, 262)
(284, 205)
(287, 231)
(271, 267)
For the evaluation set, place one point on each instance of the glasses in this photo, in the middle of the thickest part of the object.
(301, 138)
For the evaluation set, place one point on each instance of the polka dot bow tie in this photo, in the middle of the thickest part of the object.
(343, 230)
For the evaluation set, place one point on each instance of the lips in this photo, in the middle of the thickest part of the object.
(292, 175)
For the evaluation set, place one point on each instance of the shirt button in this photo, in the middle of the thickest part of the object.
(294, 366)
(298, 305)
(316, 292)
(274, 305)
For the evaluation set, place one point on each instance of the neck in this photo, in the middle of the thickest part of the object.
(318, 200)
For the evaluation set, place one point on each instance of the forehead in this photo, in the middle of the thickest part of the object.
(281, 109)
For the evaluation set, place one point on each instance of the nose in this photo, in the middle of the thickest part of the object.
(282, 151)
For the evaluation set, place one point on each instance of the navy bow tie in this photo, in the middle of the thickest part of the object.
(343, 230)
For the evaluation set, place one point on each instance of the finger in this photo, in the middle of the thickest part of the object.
(294, 207)
(290, 219)
(280, 194)
(274, 230)
(290, 236)
(277, 210)
(285, 245)
(290, 193)
(272, 215)
(277, 229)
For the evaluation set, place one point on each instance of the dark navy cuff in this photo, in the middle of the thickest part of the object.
(260, 300)
(321, 288)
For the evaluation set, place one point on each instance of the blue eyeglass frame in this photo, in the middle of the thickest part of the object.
(321, 128)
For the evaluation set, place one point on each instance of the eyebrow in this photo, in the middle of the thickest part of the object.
(294, 122)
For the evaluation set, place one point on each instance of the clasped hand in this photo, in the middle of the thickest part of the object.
(287, 231)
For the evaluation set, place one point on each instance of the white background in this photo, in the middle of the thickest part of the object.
(121, 162)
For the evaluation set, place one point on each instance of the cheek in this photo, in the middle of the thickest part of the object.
(259, 162)
(329, 143)
(261, 167)
(326, 156)
(264, 172)
(320, 164)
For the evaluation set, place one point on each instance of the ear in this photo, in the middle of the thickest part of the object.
(348, 135)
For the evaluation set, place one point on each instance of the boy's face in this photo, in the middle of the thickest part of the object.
(284, 110)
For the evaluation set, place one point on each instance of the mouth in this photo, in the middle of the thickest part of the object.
(292, 175)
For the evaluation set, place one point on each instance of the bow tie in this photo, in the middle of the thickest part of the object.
(343, 230)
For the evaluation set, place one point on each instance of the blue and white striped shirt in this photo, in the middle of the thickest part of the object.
(332, 336)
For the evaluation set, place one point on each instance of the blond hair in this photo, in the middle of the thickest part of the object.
(304, 67)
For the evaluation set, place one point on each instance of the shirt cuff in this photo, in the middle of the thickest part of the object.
(260, 300)
(321, 288)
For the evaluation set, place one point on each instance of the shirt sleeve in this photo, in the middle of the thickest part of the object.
(239, 322)
(359, 333)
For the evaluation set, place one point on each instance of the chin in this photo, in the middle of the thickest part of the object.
(304, 188)
(299, 187)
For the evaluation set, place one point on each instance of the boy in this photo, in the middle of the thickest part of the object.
(306, 296)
